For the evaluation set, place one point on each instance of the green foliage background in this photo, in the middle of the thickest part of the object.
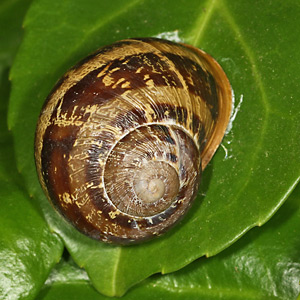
(252, 178)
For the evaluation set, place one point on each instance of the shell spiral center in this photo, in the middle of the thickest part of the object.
(143, 180)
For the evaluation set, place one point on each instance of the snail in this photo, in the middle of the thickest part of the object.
(123, 137)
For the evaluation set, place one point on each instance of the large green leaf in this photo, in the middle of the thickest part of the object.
(244, 185)
(28, 250)
(264, 264)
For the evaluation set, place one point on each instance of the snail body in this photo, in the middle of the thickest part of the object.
(123, 137)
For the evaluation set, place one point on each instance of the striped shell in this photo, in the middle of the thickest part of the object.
(123, 136)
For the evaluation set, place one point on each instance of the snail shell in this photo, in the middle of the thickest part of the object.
(123, 136)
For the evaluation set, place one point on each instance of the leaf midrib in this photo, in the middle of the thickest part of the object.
(222, 9)
(115, 270)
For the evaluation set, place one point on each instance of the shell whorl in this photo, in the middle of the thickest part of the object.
(123, 136)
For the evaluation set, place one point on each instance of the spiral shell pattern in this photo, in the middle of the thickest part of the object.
(123, 137)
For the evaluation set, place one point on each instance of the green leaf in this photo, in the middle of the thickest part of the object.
(28, 250)
(244, 185)
(264, 264)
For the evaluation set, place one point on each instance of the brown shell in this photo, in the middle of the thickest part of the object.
(122, 137)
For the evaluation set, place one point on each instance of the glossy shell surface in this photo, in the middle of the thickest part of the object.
(123, 137)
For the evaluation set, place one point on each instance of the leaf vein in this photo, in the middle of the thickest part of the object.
(257, 78)
(201, 22)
